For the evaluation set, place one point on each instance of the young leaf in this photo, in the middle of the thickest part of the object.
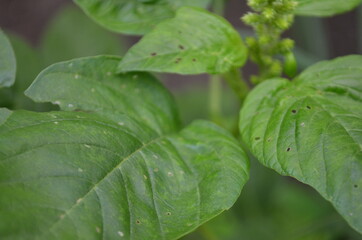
(7, 62)
(193, 42)
(103, 171)
(134, 17)
(311, 129)
(323, 8)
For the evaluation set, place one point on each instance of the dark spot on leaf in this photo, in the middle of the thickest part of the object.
(355, 186)
(168, 214)
(181, 47)
(178, 60)
(257, 138)
(194, 60)
(309, 107)
(294, 111)
(179, 32)
(269, 139)
(288, 149)
(138, 222)
(153, 54)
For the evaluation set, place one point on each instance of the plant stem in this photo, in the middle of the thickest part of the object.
(215, 84)
(236, 82)
(215, 94)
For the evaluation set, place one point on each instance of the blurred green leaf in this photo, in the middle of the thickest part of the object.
(323, 8)
(71, 34)
(135, 17)
(7, 62)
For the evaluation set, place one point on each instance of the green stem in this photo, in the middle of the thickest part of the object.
(215, 95)
(215, 84)
(236, 82)
(218, 7)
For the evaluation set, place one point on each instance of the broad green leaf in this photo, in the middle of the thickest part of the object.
(322, 8)
(193, 42)
(134, 17)
(71, 34)
(7, 62)
(311, 129)
(105, 172)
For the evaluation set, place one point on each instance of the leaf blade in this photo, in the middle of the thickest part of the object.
(311, 130)
(7, 62)
(133, 17)
(324, 8)
(83, 175)
(193, 42)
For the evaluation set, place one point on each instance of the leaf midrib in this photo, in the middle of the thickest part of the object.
(93, 188)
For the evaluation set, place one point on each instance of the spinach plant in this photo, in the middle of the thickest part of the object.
(116, 163)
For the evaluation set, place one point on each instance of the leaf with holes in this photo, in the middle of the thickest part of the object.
(311, 129)
(134, 17)
(113, 163)
(193, 42)
(323, 8)
(7, 62)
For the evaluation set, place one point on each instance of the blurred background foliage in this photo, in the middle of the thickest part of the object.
(271, 207)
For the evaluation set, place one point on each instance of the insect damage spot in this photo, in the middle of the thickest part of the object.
(355, 186)
(181, 47)
(294, 111)
(308, 107)
(194, 60)
(153, 54)
(168, 213)
(288, 149)
(257, 138)
(178, 60)
(138, 222)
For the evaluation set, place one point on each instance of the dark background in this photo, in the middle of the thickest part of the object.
(28, 18)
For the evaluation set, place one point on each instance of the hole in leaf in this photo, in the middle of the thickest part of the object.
(355, 186)
(178, 60)
(308, 107)
(153, 54)
(168, 213)
(194, 60)
(181, 47)
(257, 138)
(294, 111)
(138, 222)
(288, 149)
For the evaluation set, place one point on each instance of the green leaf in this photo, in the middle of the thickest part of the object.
(66, 40)
(134, 17)
(193, 42)
(311, 129)
(7, 62)
(104, 170)
(323, 8)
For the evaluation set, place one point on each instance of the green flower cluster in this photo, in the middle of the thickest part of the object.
(270, 19)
